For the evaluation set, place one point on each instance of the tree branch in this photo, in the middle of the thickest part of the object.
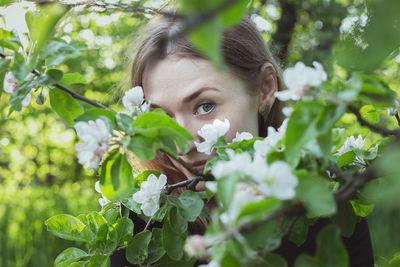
(377, 129)
(192, 182)
(72, 93)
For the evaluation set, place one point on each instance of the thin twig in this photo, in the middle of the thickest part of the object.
(397, 118)
(188, 183)
(147, 225)
(377, 129)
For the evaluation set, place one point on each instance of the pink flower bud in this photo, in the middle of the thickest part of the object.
(195, 246)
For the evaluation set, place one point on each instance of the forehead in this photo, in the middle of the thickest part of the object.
(175, 77)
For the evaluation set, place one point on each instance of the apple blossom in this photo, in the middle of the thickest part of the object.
(263, 147)
(95, 135)
(236, 163)
(195, 246)
(351, 142)
(242, 136)
(103, 200)
(133, 99)
(149, 194)
(11, 85)
(299, 78)
(244, 194)
(211, 133)
(278, 181)
(213, 263)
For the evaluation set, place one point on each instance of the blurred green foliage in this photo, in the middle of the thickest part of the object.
(39, 173)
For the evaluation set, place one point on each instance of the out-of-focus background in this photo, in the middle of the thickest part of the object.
(39, 173)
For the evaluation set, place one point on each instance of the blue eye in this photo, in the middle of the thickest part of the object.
(205, 108)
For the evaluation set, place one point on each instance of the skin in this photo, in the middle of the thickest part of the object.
(223, 95)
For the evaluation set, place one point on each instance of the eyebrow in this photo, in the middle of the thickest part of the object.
(192, 96)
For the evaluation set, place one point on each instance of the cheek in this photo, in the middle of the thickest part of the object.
(243, 122)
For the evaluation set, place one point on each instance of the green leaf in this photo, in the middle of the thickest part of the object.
(314, 192)
(161, 212)
(156, 250)
(116, 177)
(265, 237)
(65, 105)
(106, 241)
(50, 77)
(154, 124)
(4, 63)
(172, 242)
(95, 220)
(308, 121)
(299, 232)
(360, 209)
(349, 220)
(260, 209)
(97, 113)
(68, 256)
(228, 260)
(206, 38)
(352, 87)
(99, 260)
(346, 158)
(144, 147)
(369, 154)
(136, 251)
(330, 250)
(274, 260)
(58, 51)
(73, 78)
(232, 15)
(41, 24)
(9, 40)
(68, 227)
(78, 264)
(23, 90)
(192, 205)
(176, 222)
(132, 205)
(305, 260)
(124, 122)
(124, 228)
(225, 190)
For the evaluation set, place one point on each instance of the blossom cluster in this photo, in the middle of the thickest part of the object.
(299, 79)
(211, 133)
(149, 194)
(133, 101)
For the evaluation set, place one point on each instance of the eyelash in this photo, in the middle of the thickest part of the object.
(205, 103)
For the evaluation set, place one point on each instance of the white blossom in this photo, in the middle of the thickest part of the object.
(211, 133)
(11, 85)
(133, 99)
(263, 147)
(242, 136)
(287, 111)
(278, 181)
(244, 194)
(349, 143)
(213, 263)
(195, 246)
(103, 200)
(394, 111)
(149, 194)
(236, 163)
(299, 78)
(94, 136)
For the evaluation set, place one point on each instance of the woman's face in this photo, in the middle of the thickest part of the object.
(194, 93)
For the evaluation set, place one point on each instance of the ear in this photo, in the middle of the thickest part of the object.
(268, 87)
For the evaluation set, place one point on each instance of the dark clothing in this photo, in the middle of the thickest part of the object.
(358, 245)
